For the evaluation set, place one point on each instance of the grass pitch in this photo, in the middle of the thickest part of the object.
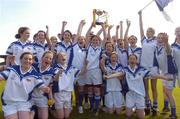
(103, 115)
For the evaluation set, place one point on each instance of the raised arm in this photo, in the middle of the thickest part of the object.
(64, 23)
(79, 31)
(121, 29)
(47, 37)
(89, 31)
(109, 32)
(126, 43)
(104, 34)
(141, 25)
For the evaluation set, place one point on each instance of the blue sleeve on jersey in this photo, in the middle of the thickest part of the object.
(76, 73)
(155, 62)
(71, 57)
(172, 69)
(39, 84)
(4, 75)
(125, 87)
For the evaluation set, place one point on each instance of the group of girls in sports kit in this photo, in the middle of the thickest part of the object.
(41, 75)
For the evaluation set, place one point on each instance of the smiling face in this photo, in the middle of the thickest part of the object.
(25, 35)
(67, 36)
(47, 58)
(109, 47)
(81, 41)
(177, 33)
(95, 41)
(150, 32)
(160, 38)
(54, 40)
(132, 60)
(132, 41)
(41, 36)
(26, 60)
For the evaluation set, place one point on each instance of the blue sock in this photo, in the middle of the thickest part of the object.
(91, 100)
(166, 104)
(80, 99)
(155, 106)
(148, 104)
(173, 111)
(97, 102)
(86, 98)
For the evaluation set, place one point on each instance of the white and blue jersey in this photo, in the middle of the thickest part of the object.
(47, 76)
(40, 49)
(148, 48)
(113, 84)
(67, 79)
(62, 47)
(161, 58)
(134, 78)
(164, 62)
(122, 56)
(17, 48)
(93, 57)
(19, 85)
(57, 67)
(137, 51)
(77, 56)
(176, 55)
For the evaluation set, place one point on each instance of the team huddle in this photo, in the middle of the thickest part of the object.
(103, 70)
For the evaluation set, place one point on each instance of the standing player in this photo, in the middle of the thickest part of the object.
(147, 59)
(94, 74)
(21, 45)
(167, 67)
(120, 46)
(21, 81)
(40, 45)
(176, 52)
(66, 44)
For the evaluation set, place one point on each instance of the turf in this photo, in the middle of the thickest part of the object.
(102, 115)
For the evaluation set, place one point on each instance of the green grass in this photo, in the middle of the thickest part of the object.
(102, 115)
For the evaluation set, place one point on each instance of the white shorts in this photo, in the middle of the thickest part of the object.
(40, 101)
(153, 70)
(113, 99)
(62, 99)
(81, 80)
(14, 107)
(134, 100)
(94, 77)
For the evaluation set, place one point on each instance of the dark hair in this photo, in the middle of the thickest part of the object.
(46, 52)
(68, 32)
(132, 36)
(133, 55)
(107, 42)
(20, 31)
(25, 53)
(93, 36)
(41, 31)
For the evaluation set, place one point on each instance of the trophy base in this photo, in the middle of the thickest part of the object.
(99, 23)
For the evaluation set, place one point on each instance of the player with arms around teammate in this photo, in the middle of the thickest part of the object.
(20, 82)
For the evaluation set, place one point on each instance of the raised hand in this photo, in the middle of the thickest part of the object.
(64, 23)
(128, 22)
